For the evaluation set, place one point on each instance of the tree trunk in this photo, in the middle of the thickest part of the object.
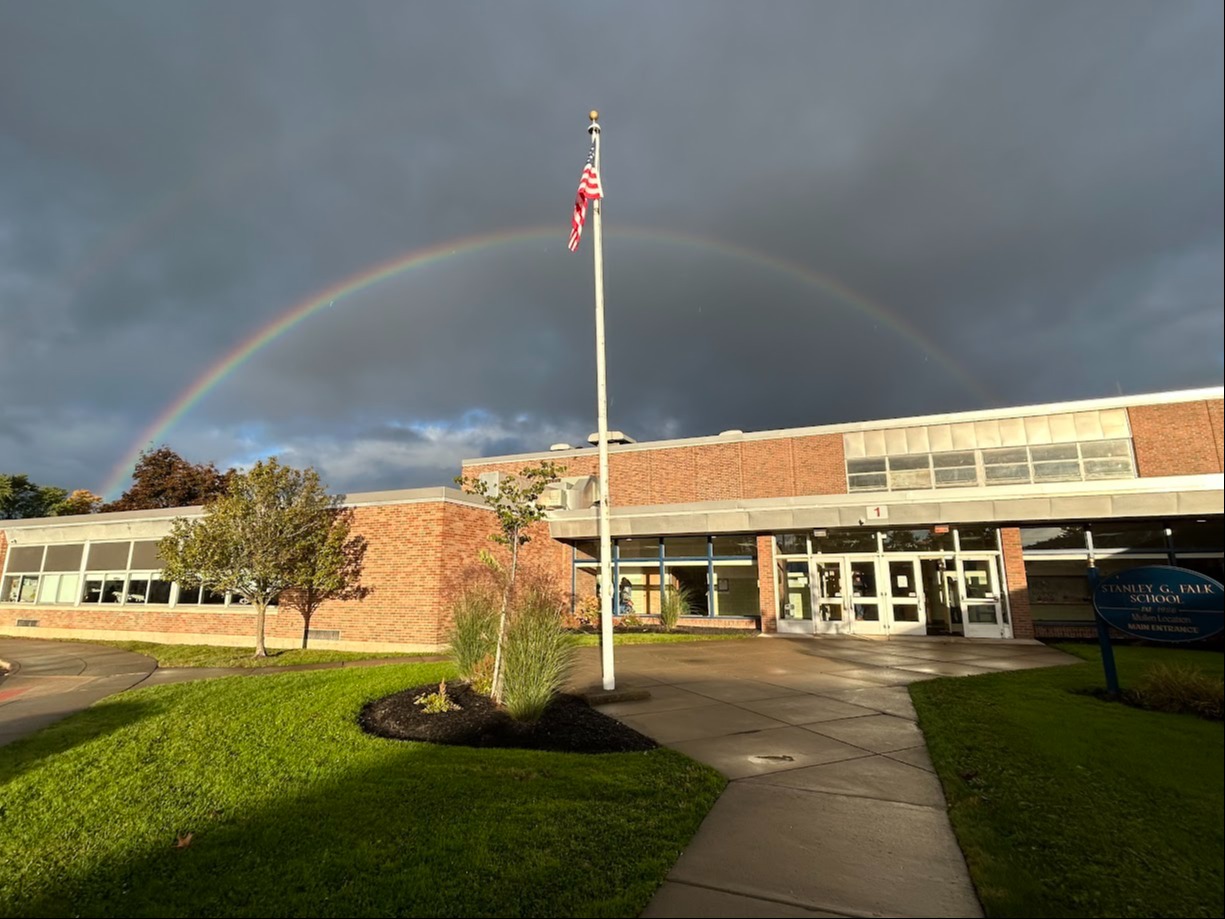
(261, 608)
(306, 626)
(510, 585)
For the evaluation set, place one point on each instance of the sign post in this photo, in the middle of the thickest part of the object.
(1156, 603)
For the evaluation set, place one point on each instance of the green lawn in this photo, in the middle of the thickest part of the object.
(292, 810)
(662, 638)
(1067, 805)
(219, 656)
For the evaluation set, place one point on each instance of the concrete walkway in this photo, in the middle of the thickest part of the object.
(49, 680)
(833, 807)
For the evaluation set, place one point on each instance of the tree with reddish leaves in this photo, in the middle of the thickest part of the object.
(164, 479)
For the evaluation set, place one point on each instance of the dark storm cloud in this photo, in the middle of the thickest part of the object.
(1034, 188)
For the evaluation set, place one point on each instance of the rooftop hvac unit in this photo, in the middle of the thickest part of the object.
(553, 498)
(581, 492)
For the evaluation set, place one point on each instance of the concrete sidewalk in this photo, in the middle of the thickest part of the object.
(833, 808)
(49, 680)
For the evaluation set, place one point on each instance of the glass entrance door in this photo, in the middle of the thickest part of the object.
(795, 617)
(906, 609)
(831, 606)
(980, 597)
(868, 612)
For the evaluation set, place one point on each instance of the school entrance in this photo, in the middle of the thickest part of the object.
(948, 590)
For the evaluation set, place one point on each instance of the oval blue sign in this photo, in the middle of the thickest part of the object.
(1161, 603)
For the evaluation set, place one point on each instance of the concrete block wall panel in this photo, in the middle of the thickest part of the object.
(1180, 438)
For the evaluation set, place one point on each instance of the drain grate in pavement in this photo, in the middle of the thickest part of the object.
(767, 758)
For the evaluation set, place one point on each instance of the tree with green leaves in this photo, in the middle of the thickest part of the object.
(515, 500)
(255, 540)
(81, 501)
(20, 497)
(163, 479)
(330, 570)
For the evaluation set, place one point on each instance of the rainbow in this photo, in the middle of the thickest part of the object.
(420, 258)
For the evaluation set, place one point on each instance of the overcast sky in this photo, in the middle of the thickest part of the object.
(1033, 189)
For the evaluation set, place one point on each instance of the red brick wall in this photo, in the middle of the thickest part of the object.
(766, 583)
(1182, 438)
(1018, 586)
(775, 468)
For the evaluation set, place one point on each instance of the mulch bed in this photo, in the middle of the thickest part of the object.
(569, 724)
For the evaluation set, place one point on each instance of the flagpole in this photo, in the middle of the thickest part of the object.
(601, 385)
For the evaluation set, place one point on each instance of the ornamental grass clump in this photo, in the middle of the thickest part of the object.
(1180, 688)
(676, 602)
(474, 637)
(536, 654)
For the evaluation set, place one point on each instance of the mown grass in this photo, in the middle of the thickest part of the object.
(239, 797)
(1068, 805)
(222, 656)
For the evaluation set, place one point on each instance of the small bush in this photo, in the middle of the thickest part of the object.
(676, 602)
(1180, 688)
(474, 634)
(437, 703)
(630, 621)
(536, 653)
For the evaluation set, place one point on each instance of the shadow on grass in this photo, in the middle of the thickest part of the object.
(426, 831)
(55, 736)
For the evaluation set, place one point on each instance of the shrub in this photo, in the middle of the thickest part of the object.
(676, 602)
(630, 621)
(474, 634)
(438, 702)
(536, 654)
(1180, 688)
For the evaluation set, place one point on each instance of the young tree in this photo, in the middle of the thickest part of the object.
(330, 570)
(255, 539)
(163, 479)
(516, 502)
(81, 501)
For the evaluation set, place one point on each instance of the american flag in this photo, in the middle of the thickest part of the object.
(588, 187)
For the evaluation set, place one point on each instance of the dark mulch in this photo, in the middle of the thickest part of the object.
(569, 724)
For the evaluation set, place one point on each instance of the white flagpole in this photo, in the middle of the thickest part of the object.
(607, 595)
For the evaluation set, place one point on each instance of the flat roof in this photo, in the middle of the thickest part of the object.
(1020, 411)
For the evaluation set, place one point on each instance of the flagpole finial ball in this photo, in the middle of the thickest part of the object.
(593, 115)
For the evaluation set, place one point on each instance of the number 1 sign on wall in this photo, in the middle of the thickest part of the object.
(878, 512)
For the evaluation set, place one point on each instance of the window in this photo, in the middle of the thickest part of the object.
(108, 556)
(638, 548)
(736, 591)
(685, 547)
(792, 543)
(64, 558)
(1044, 539)
(20, 588)
(1040, 464)
(845, 541)
(734, 546)
(144, 554)
(25, 558)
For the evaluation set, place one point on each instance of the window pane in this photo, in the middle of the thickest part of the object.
(214, 597)
(638, 548)
(910, 478)
(1002, 455)
(48, 589)
(69, 586)
(1128, 535)
(112, 588)
(845, 541)
(189, 595)
(977, 579)
(736, 591)
(863, 579)
(1204, 535)
(981, 612)
(1058, 589)
(922, 461)
(138, 589)
(797, 595)
(972, 538)
(865, 465)
(744, 546)
(963, 476)
(64, 558)
(638, 592)
(685, 547)
(1007, 475)
(874, 481)
(586, 549)
(792, 543)
(1049, 452)
(25, 558)
(694, 579)
(144, 554)
(1057, 472)
(159, 591)
(923, 540)
(1099, 448)
(93, 590)
(961, 458)
(104, 556)
(1064, 537)
(1108, 469)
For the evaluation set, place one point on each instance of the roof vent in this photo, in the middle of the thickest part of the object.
(555, 447)
(614, 437)
(734, 432)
